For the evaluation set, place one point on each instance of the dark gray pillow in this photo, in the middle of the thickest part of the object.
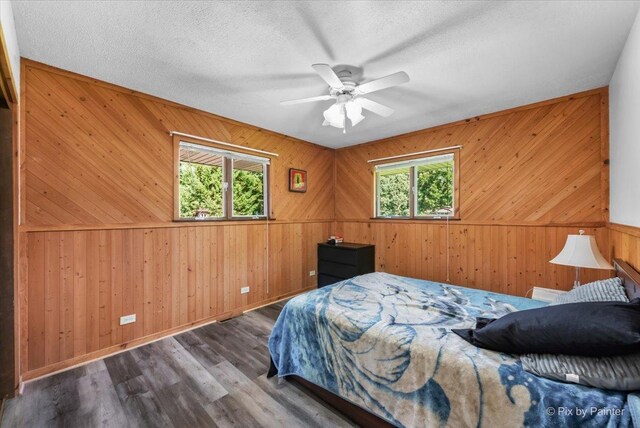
(620, 373)
(592, 329)
(604, 290)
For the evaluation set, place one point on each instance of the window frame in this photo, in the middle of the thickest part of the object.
(377, 198)
(413, 194)
(227, 177)
(265, 192)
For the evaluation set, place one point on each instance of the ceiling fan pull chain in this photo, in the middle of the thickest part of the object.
(344, 127)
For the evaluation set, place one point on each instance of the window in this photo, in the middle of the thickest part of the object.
(220, 184)
(248, 187)
(418, 188)
(393, 192)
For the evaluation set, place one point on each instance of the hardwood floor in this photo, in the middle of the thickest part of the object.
(212, 376)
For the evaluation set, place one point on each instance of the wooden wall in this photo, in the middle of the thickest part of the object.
(625, 244)
(7, 256)
(529, 176)
(500, 258)
(101, 155)
(82, 281)
(98, 240)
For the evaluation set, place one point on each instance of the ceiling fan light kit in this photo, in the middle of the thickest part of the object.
(348, 96)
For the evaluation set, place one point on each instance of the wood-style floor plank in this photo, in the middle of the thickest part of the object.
(122, 367)
(141, 407)
(298, 402)
(213, 376)
(228, 412)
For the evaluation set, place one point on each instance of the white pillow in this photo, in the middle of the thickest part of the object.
(604, 290)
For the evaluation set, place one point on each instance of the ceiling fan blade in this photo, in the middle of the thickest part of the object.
(306, 100)
(383, 83)
(375, 107)
(328, 75)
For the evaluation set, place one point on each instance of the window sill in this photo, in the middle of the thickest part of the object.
(426, 219)
(223, 220)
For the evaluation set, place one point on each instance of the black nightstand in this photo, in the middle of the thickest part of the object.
(343, 261)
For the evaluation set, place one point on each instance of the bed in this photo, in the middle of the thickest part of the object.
(379, 347)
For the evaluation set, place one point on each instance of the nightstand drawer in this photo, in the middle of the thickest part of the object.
(324, 280)
(343, 261)
(337, 269)
(338, 255)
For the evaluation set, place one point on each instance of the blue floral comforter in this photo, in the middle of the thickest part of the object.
(384, 342)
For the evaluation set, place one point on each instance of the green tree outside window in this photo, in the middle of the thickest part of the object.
(434, 188)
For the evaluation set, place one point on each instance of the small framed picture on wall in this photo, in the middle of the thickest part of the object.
(297, 180)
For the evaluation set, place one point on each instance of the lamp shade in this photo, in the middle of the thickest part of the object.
(581, 251)
(354, 113)
(334, 115)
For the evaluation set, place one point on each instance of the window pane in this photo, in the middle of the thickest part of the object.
(393, 192)
(201, 193)
(435, 189)
(248, 188)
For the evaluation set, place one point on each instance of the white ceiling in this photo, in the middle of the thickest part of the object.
(239, 59)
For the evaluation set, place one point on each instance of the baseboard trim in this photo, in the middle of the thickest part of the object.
(72, 363)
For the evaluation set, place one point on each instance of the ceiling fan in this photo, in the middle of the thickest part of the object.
(348, 95)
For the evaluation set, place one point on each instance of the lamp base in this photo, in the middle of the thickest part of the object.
(576, 283)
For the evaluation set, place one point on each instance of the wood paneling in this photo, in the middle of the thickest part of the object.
(504, 259)
(97, 240)
(97, 236)
(539, 164)
(7, 253)
(625, 244)
(82, 282)
(528, 177)
(100, 154)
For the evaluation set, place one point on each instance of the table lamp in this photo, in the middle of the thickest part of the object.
(581, 251)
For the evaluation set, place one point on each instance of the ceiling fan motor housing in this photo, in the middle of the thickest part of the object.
(348, 89)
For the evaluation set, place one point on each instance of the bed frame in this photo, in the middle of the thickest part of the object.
(356, 414)
(630, 279)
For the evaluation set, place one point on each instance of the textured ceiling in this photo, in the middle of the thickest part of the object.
(239, 59)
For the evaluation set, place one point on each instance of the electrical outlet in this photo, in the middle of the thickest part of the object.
(244, 290)
(312, 273)
(127, 319)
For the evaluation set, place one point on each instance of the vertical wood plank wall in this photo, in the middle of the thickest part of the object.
(499, 258)
(529, 177)
(99, 240)
(625, 244)
(82, 281)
